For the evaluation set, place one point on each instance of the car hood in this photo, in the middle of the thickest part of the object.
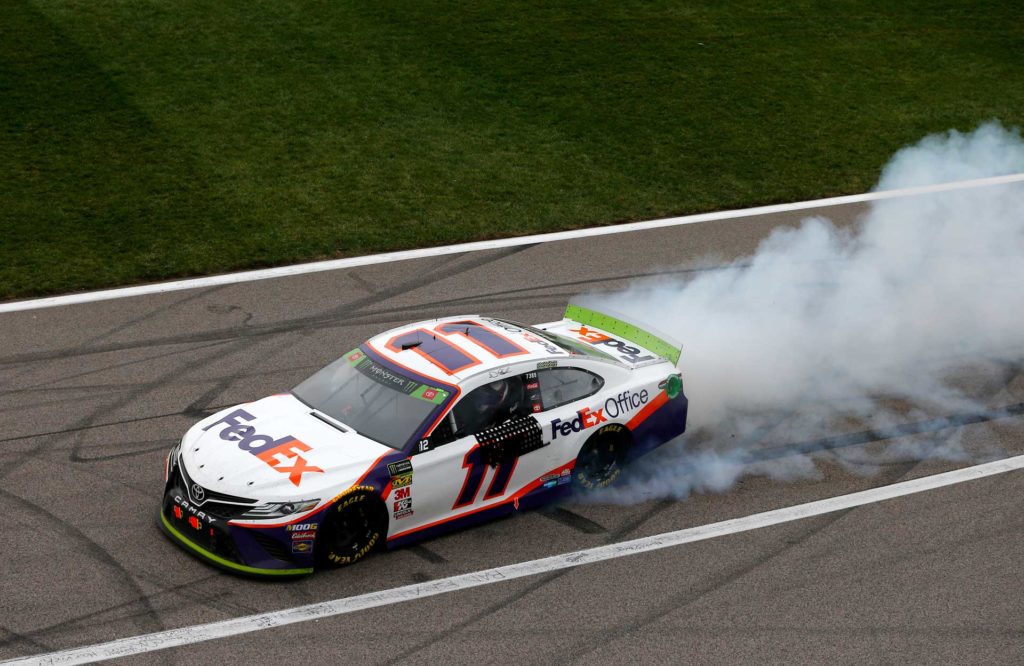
(276, 449)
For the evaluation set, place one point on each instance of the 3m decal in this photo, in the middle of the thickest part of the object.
(277, 453)
(403, 493)
(626, 352)
(403, 508)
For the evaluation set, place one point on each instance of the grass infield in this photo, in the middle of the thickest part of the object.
(144, 140)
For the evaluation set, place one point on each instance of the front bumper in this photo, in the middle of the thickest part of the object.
(207, 534)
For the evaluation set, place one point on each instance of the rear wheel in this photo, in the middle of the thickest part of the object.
(600, 461)
(354, 526)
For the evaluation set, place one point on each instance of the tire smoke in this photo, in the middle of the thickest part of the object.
(831, 330)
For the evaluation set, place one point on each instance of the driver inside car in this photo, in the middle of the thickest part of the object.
(490, 405)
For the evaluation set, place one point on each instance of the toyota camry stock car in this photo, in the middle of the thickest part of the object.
(422, 429)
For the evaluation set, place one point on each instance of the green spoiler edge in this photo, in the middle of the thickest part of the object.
(624, 330)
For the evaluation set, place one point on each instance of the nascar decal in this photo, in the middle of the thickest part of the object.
(614, 407)
(401, 485)
(277, 453)
(401, 473)
(625, 351)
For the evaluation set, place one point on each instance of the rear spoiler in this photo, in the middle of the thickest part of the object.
(621, 326)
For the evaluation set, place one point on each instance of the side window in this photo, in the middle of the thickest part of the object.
(490, 405)
(560, 386)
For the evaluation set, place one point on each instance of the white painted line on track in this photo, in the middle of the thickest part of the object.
(242, 625)
(352, 262)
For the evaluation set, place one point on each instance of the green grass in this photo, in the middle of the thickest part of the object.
(149, 140)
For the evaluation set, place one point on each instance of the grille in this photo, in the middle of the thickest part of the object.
(274, 548)
(213, 494)
(219, 504)
(205, 536)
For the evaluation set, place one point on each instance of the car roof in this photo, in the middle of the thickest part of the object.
(453, 349)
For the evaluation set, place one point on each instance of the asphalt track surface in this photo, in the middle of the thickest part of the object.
(92, 396)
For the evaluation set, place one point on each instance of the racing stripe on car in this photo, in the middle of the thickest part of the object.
(372, 467)
(513, 499)
(648, 409)
(314, 512)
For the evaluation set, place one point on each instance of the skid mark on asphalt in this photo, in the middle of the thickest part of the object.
(134, 449)
(154, 312)
(146, 358)
(896, 472)
(200, 407)
(927, 426)
(274, 619)
(541, 582)
(346, 315)
(582, 650)
(343, 315)
(9, 637)
(569, 519)
(427, 554)
(192, 594)
(148, 619)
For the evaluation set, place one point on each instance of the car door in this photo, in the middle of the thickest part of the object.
(570, 408)
(454, 474)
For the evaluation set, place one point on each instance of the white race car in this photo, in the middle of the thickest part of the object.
(422, 429)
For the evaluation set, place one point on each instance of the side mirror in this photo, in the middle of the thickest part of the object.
(510, 440)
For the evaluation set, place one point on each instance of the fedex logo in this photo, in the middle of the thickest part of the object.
(628, 352)
(585, 418)
(282, 454)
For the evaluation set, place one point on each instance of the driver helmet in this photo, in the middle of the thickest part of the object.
(490, 400)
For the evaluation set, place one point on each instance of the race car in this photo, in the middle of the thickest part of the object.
(423, 429)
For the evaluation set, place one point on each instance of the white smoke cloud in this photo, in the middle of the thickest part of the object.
(827, 329)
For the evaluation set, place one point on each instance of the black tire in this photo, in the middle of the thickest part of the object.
(355, 525)
(600, 461)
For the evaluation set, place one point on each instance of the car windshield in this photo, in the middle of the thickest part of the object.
(374, 400)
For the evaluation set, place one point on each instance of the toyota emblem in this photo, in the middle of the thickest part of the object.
(198, 494)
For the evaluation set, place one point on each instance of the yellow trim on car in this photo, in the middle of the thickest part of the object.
(217, 559)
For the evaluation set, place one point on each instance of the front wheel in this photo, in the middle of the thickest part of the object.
(352, 528)
(600, 461)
